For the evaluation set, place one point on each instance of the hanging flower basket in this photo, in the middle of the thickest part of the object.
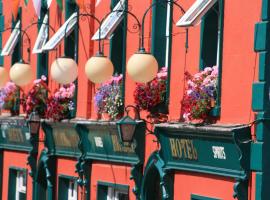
(200, 95)
(151, 96)
(108, 99)
(9, 99)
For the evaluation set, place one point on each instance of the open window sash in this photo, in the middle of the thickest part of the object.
(111, 22)
(64, 30)
(42, 36)
(195, 12)
(12, 40)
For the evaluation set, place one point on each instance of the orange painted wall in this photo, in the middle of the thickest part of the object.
(17, 160)
(111, 173)
(240, 66)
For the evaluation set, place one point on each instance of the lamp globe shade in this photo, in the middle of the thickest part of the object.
(21, 73)
(64, 70)
(3, 76)
(99, 69)
(142, 67)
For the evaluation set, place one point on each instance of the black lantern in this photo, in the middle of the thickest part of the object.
(127, 126)
(34, 123)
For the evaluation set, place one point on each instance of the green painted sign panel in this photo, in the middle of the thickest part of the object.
(14, 135)
(66, 139)
(61, 138)
(103, 143)
(215, 150)
(95, 140)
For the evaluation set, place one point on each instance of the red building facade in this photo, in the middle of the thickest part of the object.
(83, 157)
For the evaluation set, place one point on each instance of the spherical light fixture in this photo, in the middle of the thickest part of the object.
(98, 69)
(21, 73)
(64, 70)
(142, 67)
(3, 76)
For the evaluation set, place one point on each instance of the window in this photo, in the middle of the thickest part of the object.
(111, 22)
(115, 194)
(72, 190)
(17, 184)
(12, 40)
(64, 30)
(42, 36)
(196, 11)
(21, 186)
(68, 188)
(161, 37)
(110, 191)
(211, 13)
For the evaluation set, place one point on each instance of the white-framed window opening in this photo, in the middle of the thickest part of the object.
(111, 22)
(12, 40)
(72, 190)
(117, 194)
(20, 185)
(42, 36)
(63, 31)
(195, 13)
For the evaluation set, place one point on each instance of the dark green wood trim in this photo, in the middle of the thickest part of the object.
(102, 192)
(205, 53)
(1, 172)
(155, 162)
(46, 177)
(42, 58)
(199, 197)
(71, 44)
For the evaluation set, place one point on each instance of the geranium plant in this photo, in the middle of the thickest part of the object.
(36, 98)
(148, 96)
(60, 103)
(108, 98)
(9, 96)
(200, 94)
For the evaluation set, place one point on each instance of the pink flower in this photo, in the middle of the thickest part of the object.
(37, 81)
(44, 78)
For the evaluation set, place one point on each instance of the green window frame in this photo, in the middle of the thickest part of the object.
(42, 58)
(118, 43)
(12, 183)
(198, 197)
(16, 55)
(102, 189)
(162, 37)
(211, 52)
(71, 44)
(63, 186)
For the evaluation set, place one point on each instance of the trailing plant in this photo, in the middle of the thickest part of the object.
(108, 98)
(200, 94)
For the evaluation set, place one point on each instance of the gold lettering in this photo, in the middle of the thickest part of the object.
(15, 135)
(66, 138)
(189, 150)
(117, 147)
(183, 149)
(173, 148)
